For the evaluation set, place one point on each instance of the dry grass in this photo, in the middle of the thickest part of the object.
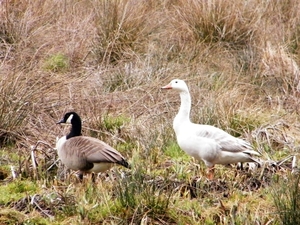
(107, 60)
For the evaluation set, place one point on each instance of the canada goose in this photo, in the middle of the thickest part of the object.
(86, 154)
(205, 142)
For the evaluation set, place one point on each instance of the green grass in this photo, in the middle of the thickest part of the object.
(286, 197)
(142, 198)
(10, 216)
(113, 123)
(16, 190)
(107, 60)
(175, 152)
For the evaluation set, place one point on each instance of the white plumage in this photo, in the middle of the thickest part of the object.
(205, 142)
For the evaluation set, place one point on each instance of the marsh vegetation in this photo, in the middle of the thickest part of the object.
(107, 59)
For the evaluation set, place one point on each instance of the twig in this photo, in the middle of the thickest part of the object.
(294, 164)
(284, 160)
(41, 142)
(107, 133)
(13, 173)
(33, 202)
(55, 163)
(34, 163)
(269, 222)
(33, 157)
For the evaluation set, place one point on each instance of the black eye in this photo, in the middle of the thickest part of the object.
(176, 82)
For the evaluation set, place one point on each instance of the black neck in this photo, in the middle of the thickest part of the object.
(75, 129)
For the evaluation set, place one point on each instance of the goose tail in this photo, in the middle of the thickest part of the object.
(124, 163)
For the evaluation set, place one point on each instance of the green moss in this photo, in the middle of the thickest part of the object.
(11, 216)
(57, 63)
(102, 211)
(16, 190)
(38, 221)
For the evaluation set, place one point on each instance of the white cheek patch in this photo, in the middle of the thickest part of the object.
(69, 119)
(60, 142)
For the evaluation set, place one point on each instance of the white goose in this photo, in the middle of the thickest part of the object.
(205, 142)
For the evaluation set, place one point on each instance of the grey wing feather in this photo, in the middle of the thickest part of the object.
(94, 150)
(226, 141)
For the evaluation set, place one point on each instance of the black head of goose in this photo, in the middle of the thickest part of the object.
(83, 153)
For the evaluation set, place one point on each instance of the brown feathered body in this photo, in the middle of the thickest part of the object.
(83, 153)
(89, 154)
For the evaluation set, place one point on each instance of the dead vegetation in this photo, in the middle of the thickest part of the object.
(107, 61)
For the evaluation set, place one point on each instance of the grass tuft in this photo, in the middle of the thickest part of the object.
(286, 197)
(17, 96)
(121, 28)
(216, 21)
(141, 198)
(107, 60)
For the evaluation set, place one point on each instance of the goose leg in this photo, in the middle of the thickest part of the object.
(80, 176)
(94, 177)
(240, 166)
(210, 173)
